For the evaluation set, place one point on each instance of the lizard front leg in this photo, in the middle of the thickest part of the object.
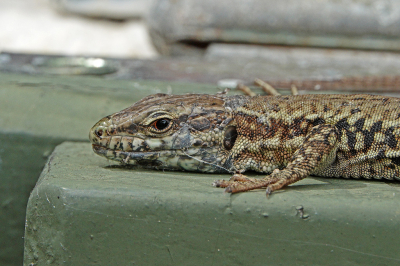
(317, 150)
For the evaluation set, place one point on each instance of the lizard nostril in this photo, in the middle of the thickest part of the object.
(99, 132)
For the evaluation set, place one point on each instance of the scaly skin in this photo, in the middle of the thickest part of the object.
(287, 137)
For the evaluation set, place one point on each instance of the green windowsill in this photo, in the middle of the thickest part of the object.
(85, 211)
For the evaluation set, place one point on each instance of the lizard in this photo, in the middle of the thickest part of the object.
(287, 137)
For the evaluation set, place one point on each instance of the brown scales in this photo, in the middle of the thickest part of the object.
(329, 135)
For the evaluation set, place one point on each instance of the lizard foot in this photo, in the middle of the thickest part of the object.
(236, 187)
(242, 183)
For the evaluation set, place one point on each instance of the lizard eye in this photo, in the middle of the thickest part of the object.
(161, 125)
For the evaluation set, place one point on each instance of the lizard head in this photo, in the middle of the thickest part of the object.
(193, 132)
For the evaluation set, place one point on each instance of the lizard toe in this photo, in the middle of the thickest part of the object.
(242, 178)
(275, 186)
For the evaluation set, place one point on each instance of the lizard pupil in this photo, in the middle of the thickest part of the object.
(161, 124)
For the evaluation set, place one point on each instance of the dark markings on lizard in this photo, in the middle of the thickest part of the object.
(370, 134)
(380, 155)
(318, 121)
(359, 124)
(390, 138)
(396, 161)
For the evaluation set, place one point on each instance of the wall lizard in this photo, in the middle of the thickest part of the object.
(286, 137)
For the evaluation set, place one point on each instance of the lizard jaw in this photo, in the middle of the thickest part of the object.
(129, 157)
(191, 159)
(171, 152)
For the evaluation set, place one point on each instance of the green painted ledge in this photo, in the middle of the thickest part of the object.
(85, 212)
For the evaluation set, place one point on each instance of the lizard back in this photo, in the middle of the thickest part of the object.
(367, 127)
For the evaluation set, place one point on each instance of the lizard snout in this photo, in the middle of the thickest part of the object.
(102, 130)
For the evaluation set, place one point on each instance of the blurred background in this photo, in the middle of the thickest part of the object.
(231, 40)
(64, 64)
(75, 28)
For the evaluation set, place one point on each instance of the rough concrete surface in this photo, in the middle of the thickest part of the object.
(85, 212)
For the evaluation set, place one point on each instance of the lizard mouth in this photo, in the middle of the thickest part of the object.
(188, 159)
(157, 153)
(123, 148)
(131, 157)
(191, 159)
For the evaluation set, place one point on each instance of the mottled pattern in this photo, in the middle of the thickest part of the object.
(288, 137)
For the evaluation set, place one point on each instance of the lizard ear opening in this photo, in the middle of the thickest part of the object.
(230, 137)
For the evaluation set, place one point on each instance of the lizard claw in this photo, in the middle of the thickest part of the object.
(268, 191)
(228, 189)
(230, 186)
(221, 183)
